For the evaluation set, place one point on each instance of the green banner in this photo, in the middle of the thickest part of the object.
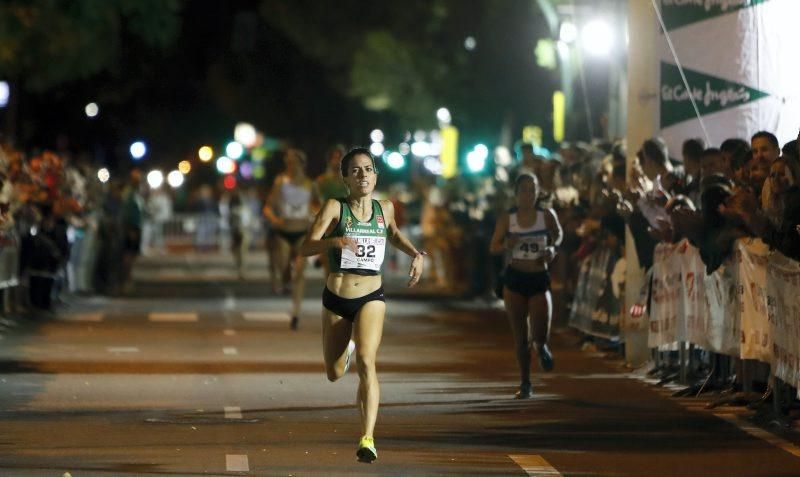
(678, 13)
(710, 93)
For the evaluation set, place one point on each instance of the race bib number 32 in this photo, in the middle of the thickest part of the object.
(368, 256)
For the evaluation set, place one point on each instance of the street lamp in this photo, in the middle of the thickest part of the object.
(597, 38)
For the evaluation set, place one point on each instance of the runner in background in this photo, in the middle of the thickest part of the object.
(529, 237)
(330, 185)
(288, 210)
(353, 231)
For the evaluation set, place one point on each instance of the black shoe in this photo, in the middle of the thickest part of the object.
(525, 391)
(294, 323)
(545, 358)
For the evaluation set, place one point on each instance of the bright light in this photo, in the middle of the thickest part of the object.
(476, 158)
(404, 148)
(376, 148)
(229, 182)
(246, 170)
(443, 115)
(568, 32)
(155, 178)
(175, 179)
(420, 135)
(563, 50)
(470, 43)
(234, 150)
(225, 165)
(205, 153)
(433, 164)
(245, 134)
(421, 148)
(502, 156)
(597, 38)
(376, 135)
(103, 175)
(138, 150)
(185, 167)
(395, 160)
(5, 92)
(91, 110)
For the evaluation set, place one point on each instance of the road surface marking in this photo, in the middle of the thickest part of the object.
(229, 332)
(535, 465)
(236, 463)
(761, 434)
(265, 316)
(122, 349)
(93, 317)
(173, 317)
(233, 412)
(230, 350)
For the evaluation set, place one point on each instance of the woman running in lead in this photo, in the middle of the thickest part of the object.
(288, 209)
(529, 237)
(353, 231)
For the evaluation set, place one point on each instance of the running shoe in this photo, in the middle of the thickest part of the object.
(351, 346)
(525, 391)
(545, 358)
(295, 322)
(366, 450)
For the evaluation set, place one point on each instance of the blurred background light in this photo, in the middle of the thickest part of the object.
(443, 115)
(376, 135)
(5, 92)
(245, 134)
(395, 160)
(175, 179)
(91, 110)
(470, 43)
(205, 153)
(225, 165)
(234, 150)
(185, 167)
(138, 150)
(421, 148)
(568, 32)
(155, 178)
(103, 175)
(597, 38)
(376, 148)
(229, 182)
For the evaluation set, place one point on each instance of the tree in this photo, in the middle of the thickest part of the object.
(45, 43)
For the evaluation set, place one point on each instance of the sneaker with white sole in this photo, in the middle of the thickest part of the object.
(366, 450)
(545, 358)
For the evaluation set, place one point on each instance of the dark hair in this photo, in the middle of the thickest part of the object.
(526, 175)
(656, 150)
(768, 136)
(791, 149)
(693, 148)
(352, 153)
(709, 152)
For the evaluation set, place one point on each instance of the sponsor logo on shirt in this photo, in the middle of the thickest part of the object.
(380, 222)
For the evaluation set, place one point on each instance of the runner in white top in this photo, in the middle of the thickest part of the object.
(288, 209)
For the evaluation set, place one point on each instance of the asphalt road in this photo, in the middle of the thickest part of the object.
(196, 373)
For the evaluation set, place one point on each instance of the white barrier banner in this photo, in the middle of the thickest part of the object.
(665, 296)
(693, 306)
(783, 307)
(723, 325)
(751, 257)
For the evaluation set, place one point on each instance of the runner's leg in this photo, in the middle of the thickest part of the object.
(336, 333)
(368, 333)
(517, 311)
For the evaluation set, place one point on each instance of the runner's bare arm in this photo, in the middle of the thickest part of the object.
(393, 233)
(556, 232)
(314, 243)
(269, 204)
(497, 245)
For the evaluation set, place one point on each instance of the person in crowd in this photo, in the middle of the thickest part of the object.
(329, 185)
(132, 205)
(735, 153)
(765, 147)
(712, 161)
(353, 231)
(288, 209)
(240, 223)
(691, 151)
(530, 237)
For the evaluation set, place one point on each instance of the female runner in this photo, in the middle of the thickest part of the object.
(353, 231)
(529, 236)
(288, 209)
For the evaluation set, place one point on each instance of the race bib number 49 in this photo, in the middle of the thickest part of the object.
(295, 211)
(368, 255)
(529, 248)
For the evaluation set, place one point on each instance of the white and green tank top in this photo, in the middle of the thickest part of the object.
(370, 238)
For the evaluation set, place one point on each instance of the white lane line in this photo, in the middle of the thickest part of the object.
(233, 412)
(265, 316)
(230, 350)
(90, 317)
(229, 332)
(535, 465)
(122, 349)
(762, 434)
(236, 463)
(173, 317)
